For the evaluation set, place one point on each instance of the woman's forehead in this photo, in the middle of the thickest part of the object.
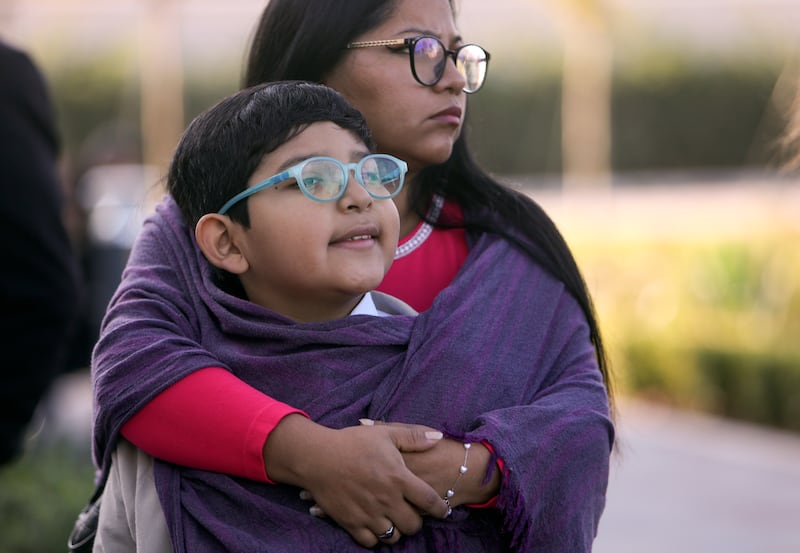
(430, 17)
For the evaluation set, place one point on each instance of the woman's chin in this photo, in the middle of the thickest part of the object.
(436, 155)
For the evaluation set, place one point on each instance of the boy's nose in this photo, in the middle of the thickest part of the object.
(355, 196)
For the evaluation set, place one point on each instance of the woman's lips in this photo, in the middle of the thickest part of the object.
(449, 115)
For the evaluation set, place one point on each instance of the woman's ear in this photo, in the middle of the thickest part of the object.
(215, 235)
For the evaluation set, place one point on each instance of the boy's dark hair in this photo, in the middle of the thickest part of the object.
(223, 146)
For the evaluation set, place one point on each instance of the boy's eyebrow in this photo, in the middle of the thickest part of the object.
(358, 155)
(291, 162)
(355, 156)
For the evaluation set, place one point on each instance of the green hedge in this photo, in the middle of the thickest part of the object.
(710, 324)
(697, 117)
(41, 494)
(759, 388)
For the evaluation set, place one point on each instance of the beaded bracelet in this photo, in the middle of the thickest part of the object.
(462, 470)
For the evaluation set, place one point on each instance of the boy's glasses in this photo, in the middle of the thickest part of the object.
(428, 56)
(324, 179)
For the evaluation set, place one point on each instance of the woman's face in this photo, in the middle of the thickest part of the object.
(416, 123)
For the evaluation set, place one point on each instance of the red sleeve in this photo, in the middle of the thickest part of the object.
(501, 465)
(210, 420)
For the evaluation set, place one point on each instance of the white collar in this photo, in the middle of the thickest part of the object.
(367, 307)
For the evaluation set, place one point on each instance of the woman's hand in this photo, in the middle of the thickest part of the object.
(439, 467)
(357, 475)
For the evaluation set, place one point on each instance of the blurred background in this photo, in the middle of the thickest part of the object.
(654, 133)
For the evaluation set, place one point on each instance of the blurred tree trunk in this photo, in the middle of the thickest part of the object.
(586, 92)
(785, 103)
(161, 71)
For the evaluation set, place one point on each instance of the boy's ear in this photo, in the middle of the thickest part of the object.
(215, 235)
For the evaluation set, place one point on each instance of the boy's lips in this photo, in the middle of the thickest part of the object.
(356, 234)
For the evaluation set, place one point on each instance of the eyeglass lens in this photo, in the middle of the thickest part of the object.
(430, 58)
(325, 179)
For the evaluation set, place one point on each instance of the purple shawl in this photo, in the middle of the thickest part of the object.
(503, 355)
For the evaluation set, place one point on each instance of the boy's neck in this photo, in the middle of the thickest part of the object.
(313, 311)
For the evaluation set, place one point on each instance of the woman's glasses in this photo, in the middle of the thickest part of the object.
(428, 57)
(324, 179)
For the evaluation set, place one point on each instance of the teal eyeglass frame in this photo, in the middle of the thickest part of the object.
(296, 172)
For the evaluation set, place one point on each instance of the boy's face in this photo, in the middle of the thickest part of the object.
(310, 260)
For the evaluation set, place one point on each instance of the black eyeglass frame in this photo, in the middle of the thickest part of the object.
(411, 44)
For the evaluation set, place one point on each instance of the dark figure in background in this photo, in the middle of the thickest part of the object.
(40, 291)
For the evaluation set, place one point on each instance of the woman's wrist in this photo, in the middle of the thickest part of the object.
(288, 446)
(472, 488)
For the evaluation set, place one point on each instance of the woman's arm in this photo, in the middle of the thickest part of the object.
(205, 395)
(210, 420)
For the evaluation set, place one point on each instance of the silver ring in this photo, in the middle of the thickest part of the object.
(387, 535)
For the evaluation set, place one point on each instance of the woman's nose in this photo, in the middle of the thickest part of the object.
(452, 79)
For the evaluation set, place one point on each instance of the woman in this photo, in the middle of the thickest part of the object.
(366, 50)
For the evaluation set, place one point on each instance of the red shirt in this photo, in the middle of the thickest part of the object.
(427, 260)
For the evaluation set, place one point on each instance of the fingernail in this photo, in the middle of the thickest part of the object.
(433, 435)
(316, 511)
(366, 422)
(305, 495)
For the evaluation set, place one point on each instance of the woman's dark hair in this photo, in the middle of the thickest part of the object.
(223, 147)
(307, 39)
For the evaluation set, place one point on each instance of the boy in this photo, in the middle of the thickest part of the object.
(292, 212)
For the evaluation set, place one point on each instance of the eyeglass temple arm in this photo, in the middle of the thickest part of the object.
(370, 43)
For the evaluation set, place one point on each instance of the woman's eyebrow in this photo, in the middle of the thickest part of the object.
(427, 32)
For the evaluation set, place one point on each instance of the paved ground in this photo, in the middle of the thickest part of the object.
(693, 484)
(680, 483)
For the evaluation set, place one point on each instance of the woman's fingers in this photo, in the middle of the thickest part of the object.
(363, 482)
(369, 537)
(390, 533)
(425, 499)
(407, 437)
